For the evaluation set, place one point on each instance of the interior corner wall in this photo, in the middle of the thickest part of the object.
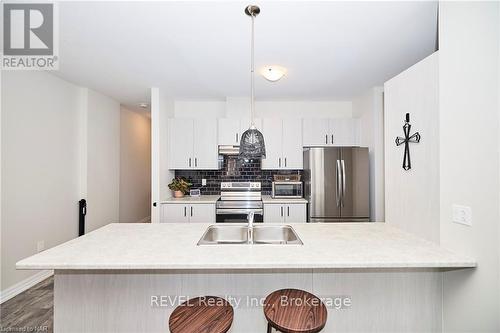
(412, 196)
(162, 108)
(103, 161)
(135, 166)
(369, 109)
(469, 137)
(40, 167)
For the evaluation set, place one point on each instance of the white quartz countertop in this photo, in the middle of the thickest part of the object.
(210, 199)
(173, 246)
(267, 199)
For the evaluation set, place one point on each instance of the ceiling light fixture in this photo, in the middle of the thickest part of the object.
(252, 141)
(273, 73)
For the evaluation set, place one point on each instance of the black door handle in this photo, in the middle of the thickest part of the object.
(82, 211)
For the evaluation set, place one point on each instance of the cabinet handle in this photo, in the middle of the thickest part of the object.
(236, 137)
(191, 211)
(288, 211)
(195, 162)
(279, 162)
(326, 138)
(332, 139)
(190, 162)
(185, 211)
(285, 162)
(281, 211)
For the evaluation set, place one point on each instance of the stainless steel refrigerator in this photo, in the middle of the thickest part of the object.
(336, 184)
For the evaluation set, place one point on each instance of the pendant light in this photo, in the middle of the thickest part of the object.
(252, 141)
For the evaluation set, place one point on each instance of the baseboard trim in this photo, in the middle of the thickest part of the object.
(147, 219)
(23, 285)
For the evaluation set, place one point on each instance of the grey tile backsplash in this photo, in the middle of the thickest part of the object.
(232, 170)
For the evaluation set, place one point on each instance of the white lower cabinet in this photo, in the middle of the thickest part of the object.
(196, 213)
(285, 213)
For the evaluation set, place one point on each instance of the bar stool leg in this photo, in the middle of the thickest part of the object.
(269, 328)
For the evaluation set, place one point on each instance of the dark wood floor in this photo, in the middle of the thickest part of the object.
(30, 311)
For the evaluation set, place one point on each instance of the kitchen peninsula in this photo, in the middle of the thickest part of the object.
(110, 280)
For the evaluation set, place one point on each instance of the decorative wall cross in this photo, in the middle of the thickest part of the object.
(414, 138)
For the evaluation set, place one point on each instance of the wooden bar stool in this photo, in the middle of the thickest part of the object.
(294, 311)
(206, 314)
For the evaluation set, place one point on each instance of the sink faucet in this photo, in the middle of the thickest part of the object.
(250, 218)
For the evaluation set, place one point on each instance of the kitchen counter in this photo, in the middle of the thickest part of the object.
(209, 199)
(145, 270)
(269, 200)
(173, 246)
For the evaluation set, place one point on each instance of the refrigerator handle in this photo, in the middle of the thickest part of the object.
(337, 175)
(343, 182)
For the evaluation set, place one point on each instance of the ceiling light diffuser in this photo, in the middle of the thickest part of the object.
(273, 73)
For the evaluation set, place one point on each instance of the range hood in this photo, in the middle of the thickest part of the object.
(229, 150)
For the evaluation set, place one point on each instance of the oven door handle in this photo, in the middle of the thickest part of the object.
(238, 211)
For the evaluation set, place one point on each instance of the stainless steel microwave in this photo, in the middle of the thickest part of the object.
(287, 189)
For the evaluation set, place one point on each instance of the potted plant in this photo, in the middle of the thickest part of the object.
(180, 186)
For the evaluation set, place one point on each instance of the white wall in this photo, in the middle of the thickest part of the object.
(303, 109)
(369, 109)
(135, 166)
(103, 161)
(239, 107)
(162, 108)
(40, 166)
(60, 143)
(469, 137)
(412, 197)
(199, 109)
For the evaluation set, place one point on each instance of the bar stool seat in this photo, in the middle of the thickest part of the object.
(206, 314)
(294, 311)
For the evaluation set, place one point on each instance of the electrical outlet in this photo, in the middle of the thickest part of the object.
(462, 215)
(203, 182)
(40, 246)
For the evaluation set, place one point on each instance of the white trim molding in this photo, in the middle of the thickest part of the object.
(23, 285)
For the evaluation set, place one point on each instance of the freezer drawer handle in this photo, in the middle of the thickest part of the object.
(343, 182)
(337, 190)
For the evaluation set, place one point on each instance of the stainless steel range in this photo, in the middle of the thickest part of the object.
(237, 199)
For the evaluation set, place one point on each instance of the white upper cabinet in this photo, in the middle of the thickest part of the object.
(315, 131)
(345, 132)
(283, 139)
(229, 132)
(330, 132)
(181, 140)
(293, 157)
(231, 129)
(273, 132)
(205, 154)
(192, 143)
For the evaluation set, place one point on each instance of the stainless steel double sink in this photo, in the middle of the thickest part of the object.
(242, 234)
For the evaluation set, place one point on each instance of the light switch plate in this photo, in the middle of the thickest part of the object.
(462, 215)
(40, 246)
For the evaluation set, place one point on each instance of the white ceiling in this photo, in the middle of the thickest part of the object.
(201, 50)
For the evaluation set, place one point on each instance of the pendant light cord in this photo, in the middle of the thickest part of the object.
(252, 102)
